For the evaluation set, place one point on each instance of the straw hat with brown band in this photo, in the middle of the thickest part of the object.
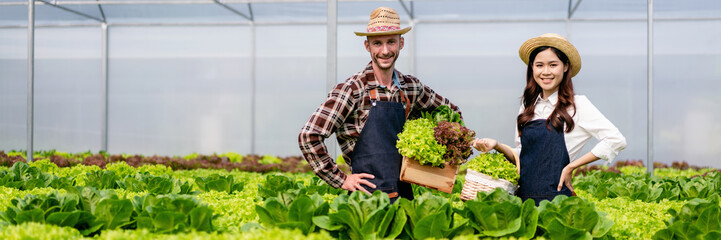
(556, 41)
(384, 21)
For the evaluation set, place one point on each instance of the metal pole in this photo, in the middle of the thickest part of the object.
(252, 87)
(649, 89)
(104, 90)
(332, 61)
(31, 77)
(568, 20)
(412, 44)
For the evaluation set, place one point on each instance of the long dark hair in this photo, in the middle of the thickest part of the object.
(560, 115)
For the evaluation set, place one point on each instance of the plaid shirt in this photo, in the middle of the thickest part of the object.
(344, 113)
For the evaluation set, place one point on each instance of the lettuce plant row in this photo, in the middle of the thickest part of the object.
(304, 207)
(602, 184)
(228, 161)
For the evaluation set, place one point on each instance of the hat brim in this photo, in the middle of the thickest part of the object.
(566, 47)
(394, 32)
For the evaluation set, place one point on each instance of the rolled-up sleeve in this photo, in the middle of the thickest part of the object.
(324, 121)
(611, 141)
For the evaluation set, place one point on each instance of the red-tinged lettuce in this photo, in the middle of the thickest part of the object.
(417, 142)
(457, 140)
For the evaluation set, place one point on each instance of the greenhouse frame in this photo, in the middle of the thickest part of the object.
(182, 76)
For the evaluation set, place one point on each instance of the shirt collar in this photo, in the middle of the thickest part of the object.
(371, 81)
(553, 99)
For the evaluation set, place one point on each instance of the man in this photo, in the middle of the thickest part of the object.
(366, 113)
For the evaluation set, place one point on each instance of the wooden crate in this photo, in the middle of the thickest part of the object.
(441, 179)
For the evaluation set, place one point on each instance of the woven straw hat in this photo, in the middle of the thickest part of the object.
(552, 40)
(384, 21)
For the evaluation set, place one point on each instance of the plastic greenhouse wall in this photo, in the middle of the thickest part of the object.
(176, 90)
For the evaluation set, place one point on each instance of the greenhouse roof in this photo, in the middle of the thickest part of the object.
(14, 13)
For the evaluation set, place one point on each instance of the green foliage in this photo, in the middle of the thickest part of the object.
(156, 185)
(270, 159)
(171, 213)
(34, 230)
(255, 234)
(571, 218)
(286, 189)
(697, 219)
(498, 214)
(90, 210)
(363, 216)
(191, 156)
(299, 214)
(44, 165)
(443, 113)
(431, 216)
(494, 164)
(233, 157)
(418, 142)
(648, 189)
(58, 209)
(121, 168)
(155, 169)
(25, 177)
(103, 179)
(634, 219)
(220, 183)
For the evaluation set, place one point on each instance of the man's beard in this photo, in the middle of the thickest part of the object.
(375, 60)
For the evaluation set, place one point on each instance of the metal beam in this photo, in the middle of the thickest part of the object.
(252, 86)
(331, 62)
(417, 21)
(176, 2)
(571, 11)
(649, 90)
(104, 88)
(102, 13)
(72, 11)
(409, 11)
(31, 78)
(233, 10)
(250, 11)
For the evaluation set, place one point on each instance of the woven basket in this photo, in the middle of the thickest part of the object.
(479, 182)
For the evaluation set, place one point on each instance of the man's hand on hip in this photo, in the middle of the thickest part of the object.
(353, 182)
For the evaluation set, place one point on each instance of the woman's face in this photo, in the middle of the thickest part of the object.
(548, 71)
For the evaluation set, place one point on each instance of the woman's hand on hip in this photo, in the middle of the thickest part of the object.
(353, 182)
(566, 178)
(484, 144)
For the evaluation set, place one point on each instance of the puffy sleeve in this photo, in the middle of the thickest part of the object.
(590, 119)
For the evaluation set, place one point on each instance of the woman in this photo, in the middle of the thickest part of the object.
(553, 124)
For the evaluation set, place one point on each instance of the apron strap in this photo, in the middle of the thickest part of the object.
(406, 101)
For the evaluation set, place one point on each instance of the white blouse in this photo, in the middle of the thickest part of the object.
(589, 122)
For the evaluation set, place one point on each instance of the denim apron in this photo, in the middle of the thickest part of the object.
(543, 157)
(375, 151)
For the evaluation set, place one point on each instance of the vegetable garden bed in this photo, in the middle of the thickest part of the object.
(146, 199)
